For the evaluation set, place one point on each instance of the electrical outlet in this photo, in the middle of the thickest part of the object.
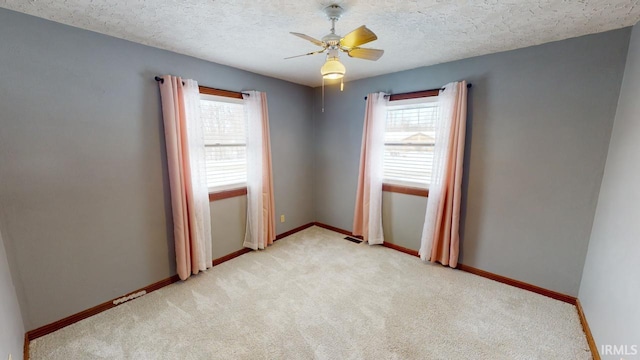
(281, 218)
(10, 357)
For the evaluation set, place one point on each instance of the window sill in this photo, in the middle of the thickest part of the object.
(405, 190)
(226, 194)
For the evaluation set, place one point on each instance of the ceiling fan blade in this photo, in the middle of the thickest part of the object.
(311, 53)
(367, 54)
(358, 37)
(309, 38)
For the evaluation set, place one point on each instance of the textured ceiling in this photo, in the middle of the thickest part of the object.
(254, 35)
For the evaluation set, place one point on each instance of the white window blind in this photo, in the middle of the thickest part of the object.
(225, 142)
(409, 141)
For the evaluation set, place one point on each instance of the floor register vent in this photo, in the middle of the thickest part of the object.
(354, 240)
(128, 297)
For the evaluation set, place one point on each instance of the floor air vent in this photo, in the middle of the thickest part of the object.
(354, 240)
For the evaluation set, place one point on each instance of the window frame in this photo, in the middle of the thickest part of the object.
(232, 190)
(406, 99)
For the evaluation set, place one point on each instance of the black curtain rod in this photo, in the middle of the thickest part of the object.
(388, 95)
(158, 78)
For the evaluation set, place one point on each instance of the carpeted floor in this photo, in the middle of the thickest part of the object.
(315, 295)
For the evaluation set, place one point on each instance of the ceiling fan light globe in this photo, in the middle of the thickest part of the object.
(333, 69)
(333, 76)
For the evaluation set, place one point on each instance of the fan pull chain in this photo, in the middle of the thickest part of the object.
(323, 94)
(342, 83)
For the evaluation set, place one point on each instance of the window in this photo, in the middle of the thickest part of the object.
(409, 142)
(225, 142)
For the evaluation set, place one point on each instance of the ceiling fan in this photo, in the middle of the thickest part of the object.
(333, 44)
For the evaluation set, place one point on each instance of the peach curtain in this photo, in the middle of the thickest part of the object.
(440, 235)
(261, 224)
(367, 218)
(187, 175)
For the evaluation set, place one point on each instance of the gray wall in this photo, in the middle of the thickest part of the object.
(83, 183)
(231, 215)
(538, 130)
(402, 219)
(12, 328)
(610, 286)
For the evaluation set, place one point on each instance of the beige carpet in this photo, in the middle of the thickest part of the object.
(315, 295)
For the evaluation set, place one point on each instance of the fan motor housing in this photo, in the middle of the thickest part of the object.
(332, 39)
